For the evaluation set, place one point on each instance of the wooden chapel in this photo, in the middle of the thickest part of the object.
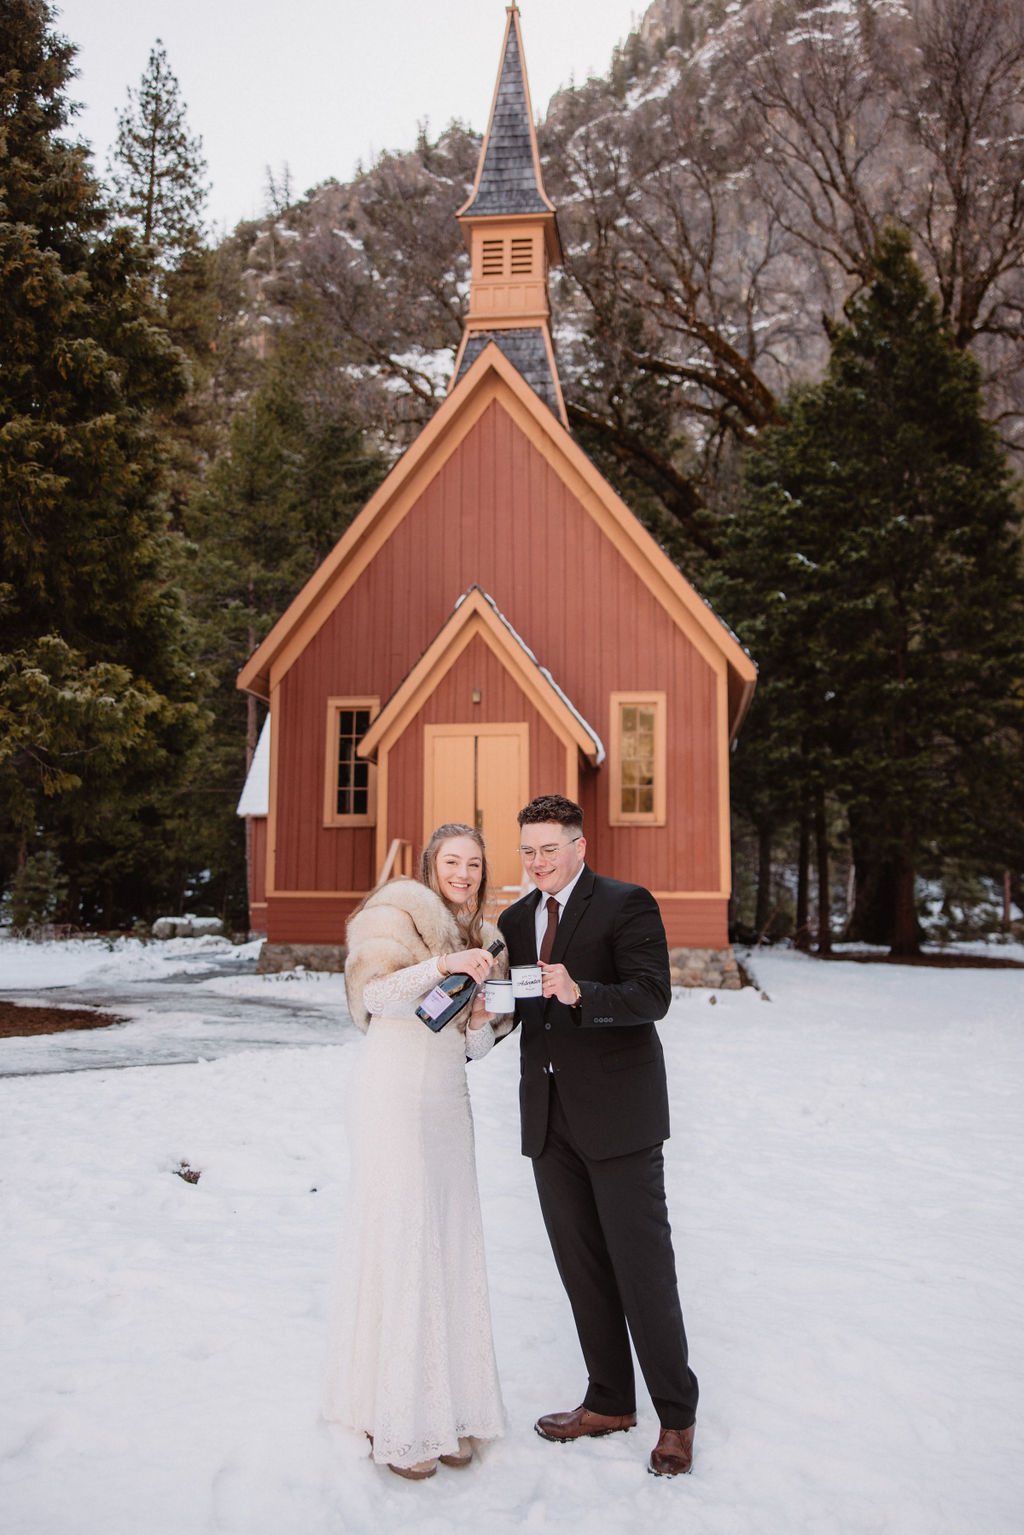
(495, 624)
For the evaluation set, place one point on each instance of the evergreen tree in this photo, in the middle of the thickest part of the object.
(96, 696)
(879, 561)
(296, 472)
(157, 170)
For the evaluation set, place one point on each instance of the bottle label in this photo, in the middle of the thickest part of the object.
(435, 1002)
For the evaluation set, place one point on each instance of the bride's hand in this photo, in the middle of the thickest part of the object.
(480, 1017)
(476, 963)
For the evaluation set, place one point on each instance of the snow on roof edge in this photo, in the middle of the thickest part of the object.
(255, 796)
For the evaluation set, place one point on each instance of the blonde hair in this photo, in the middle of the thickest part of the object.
(470, 917)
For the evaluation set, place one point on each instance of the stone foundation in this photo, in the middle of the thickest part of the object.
(706, 967)
(690, 967)
(311, 956)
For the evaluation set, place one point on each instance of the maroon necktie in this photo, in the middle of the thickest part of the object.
(548, 941)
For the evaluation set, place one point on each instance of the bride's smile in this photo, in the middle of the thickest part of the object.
(459, 869)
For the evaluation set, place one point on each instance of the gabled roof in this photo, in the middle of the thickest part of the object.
(477, 614)
(508, 179)
(492, 378)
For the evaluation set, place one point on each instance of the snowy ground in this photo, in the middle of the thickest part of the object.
(844, 1181)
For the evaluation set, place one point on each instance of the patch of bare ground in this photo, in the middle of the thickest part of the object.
(16, 1019)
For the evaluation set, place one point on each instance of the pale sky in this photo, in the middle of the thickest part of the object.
(321, 84)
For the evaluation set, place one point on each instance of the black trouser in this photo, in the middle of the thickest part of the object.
(607, 1222)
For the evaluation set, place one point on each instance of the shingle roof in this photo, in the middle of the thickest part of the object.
(525, 350)
(508, 178)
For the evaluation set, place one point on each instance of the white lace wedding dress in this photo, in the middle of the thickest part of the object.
(412, 1357)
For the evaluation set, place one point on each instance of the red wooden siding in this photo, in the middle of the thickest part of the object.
(497, 514)
(256, 828)
(302, 919)
(696, 924)
(309, 855)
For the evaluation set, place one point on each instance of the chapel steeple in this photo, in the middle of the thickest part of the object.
(509, 226)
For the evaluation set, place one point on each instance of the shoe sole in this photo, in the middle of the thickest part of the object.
(594, 1433)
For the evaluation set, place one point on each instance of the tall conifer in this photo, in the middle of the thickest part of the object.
(157, 169)
(879, 563)
(95, 689)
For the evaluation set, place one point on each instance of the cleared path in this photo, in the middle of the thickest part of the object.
(177, 1018)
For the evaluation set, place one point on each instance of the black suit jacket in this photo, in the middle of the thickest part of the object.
(605, 1055)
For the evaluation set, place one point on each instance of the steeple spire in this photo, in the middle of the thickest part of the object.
(508, 178)
(509, 225)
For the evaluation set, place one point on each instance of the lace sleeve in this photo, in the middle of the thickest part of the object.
(479, 1041)
(386, 991)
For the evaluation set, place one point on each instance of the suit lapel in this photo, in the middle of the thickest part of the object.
(526, 929)
(575, 907)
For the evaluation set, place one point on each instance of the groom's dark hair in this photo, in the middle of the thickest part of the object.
(552, 807)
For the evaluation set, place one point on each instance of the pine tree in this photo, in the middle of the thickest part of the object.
(879, 558)
(157, 169)
(96, 696)
(296, 472)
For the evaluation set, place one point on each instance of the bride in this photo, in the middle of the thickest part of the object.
(412, 1358)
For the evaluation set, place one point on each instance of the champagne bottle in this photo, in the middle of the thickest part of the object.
(450, 996)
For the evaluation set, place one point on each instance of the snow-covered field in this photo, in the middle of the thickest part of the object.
(845, 1183)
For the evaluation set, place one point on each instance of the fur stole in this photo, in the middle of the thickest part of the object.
(402, 924)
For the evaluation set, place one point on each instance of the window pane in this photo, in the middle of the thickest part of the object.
(352, 774)
(637, 758)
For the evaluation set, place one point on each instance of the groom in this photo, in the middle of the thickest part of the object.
(594, 1106)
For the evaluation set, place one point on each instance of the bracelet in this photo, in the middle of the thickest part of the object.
(579, 994)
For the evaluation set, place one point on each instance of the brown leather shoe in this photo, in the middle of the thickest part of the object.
(673, 1453)
(581, 1423)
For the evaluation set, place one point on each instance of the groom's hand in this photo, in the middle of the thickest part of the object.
(557, 982)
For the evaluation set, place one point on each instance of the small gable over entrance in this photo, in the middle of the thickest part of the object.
(471, 725)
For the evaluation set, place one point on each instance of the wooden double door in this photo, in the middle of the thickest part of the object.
(479, 775)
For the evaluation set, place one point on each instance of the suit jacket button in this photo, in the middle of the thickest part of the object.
(547, 1025)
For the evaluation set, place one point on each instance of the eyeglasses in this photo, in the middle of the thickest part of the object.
(528, 854)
